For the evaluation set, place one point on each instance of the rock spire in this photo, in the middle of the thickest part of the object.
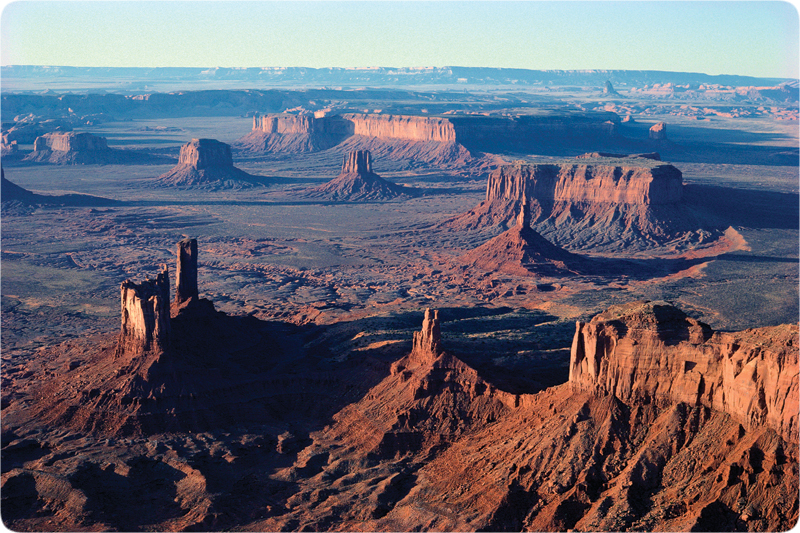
(186, 276)
(145, 314)
(427, 342)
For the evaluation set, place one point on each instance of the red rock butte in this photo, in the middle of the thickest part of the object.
(207, 164)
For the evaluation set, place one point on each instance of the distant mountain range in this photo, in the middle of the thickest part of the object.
(15, 76)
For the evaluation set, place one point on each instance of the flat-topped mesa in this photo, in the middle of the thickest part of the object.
(427, 341)
(653, 350)
(186, 274)
(601, 183)
(207, 164)
(205, 153)
(69, 142)
(145, 315)
(402, 127)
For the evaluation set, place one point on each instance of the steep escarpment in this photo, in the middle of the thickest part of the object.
(207, 164)
(16, 198)
(651, 350)
(632, 203)
(357, 182)
(435, 447)
(73, 148)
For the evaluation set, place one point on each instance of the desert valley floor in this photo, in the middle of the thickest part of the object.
(309, 412)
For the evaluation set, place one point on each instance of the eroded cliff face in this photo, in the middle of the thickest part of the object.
(653, 350)
(357, 182)
(145, 314)
(186, 276)
(587, 183)
(633, 203)
(402, 127)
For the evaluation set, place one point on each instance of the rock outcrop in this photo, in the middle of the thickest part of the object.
(145, 314)
(658, 132)
(522, 251)
(186, 275)
(426, 345)
(630, 203)
(73, 148)
(652, 350)
(357, 182)
(207, 164)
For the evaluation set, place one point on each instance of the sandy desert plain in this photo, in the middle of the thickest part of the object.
(301, 403)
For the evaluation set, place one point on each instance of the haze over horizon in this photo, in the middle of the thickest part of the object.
(750, 38)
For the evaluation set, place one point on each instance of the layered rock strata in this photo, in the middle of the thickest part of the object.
(357, 182)
(207, 164)
(186, 275)
(609, 203)
(446, 140)
(145, 311)
(653, 350)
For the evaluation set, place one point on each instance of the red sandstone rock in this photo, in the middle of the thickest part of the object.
(653, 350)
(145, 315)
(186, 275)
(636, 205)
(523, 252)
(73, 148)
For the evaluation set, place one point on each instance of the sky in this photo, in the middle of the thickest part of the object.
(756, 38)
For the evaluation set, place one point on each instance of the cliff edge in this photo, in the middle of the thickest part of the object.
(652, 350)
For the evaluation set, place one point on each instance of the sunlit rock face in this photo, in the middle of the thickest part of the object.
(653, 350)
(145, 314)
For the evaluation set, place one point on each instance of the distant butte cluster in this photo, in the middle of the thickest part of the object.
(72, 148)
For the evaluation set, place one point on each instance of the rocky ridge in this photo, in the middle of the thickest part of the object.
(442, 449)
(207, 164)
(357, 182)
(652, 350)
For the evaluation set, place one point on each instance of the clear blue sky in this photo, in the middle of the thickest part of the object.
(757, 38)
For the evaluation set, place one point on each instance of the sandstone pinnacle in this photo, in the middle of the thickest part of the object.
(145, 314)
(186, 276)
(427, 341)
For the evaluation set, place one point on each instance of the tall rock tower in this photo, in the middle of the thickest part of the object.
(186, 277)
(145, 315)
(426, 342)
